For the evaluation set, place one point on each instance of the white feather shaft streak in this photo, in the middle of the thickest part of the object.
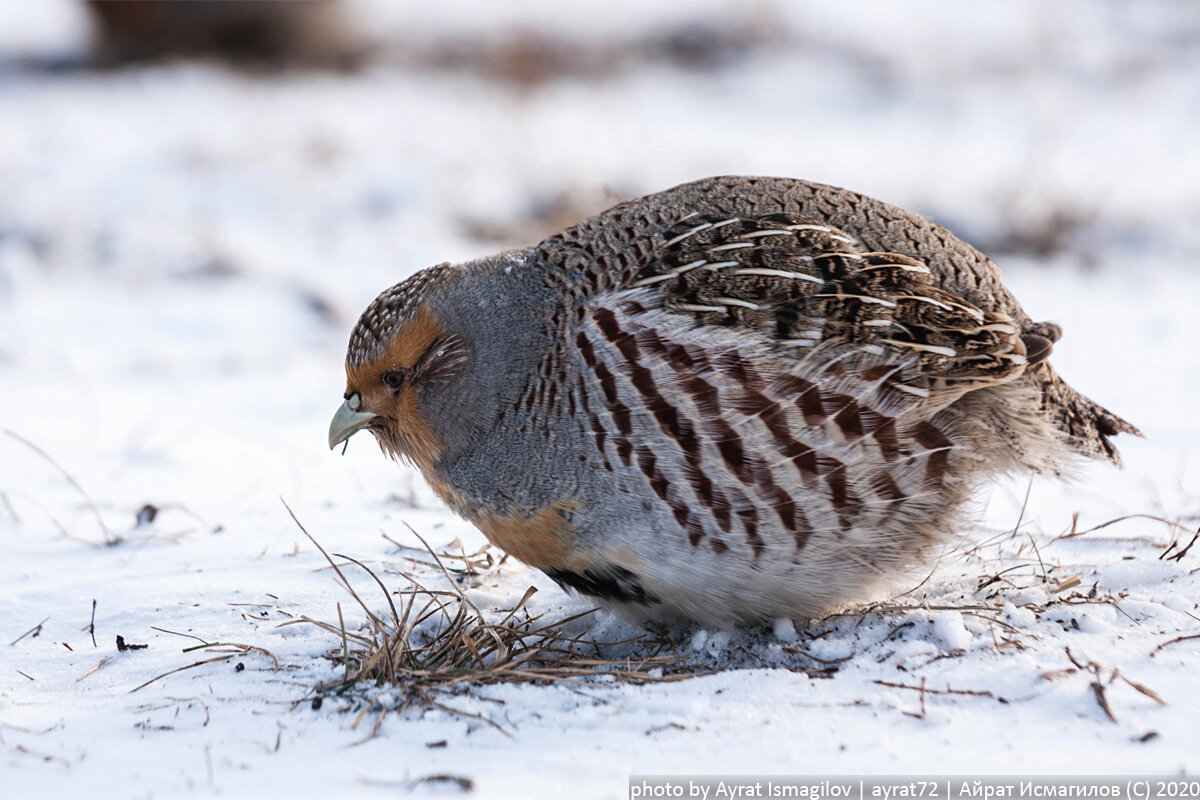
(778, 273)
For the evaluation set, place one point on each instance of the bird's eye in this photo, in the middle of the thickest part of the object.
(393, 379)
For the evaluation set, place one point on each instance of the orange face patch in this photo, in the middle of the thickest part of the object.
(419, 442)
(410, 343)
(411, 434)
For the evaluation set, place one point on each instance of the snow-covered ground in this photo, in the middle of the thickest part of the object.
(184, 249)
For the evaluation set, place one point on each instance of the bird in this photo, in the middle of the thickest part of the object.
(739, 400)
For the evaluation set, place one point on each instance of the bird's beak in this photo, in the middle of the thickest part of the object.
(348, 420)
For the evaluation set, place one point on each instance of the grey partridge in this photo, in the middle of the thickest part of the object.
(737, 400)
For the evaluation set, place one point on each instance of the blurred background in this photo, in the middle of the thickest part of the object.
(199, 198)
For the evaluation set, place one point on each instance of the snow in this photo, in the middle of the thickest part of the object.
(949, 628)
(184, 249)
(785, 630)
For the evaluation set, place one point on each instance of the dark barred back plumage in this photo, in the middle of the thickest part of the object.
(776, 255)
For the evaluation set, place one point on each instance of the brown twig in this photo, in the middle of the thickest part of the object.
(34, 631)
(1183, 552)
(1173, 641)
(240, 648)
(1154, 517)
(797, 650)
(1096, 685)
(922, 688)
(91, 628)
(181, 669)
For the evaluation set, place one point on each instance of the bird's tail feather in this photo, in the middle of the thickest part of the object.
(1087, 425)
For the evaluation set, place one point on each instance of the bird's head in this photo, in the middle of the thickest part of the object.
(435, 359)
(404, 357)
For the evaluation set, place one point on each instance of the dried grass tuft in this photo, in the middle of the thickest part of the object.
(430, 642)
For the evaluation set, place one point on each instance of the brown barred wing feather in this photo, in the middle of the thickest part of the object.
(810, 288)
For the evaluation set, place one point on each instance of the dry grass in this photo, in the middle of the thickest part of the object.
(430, 642)
(437, 640)
(110, 538)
